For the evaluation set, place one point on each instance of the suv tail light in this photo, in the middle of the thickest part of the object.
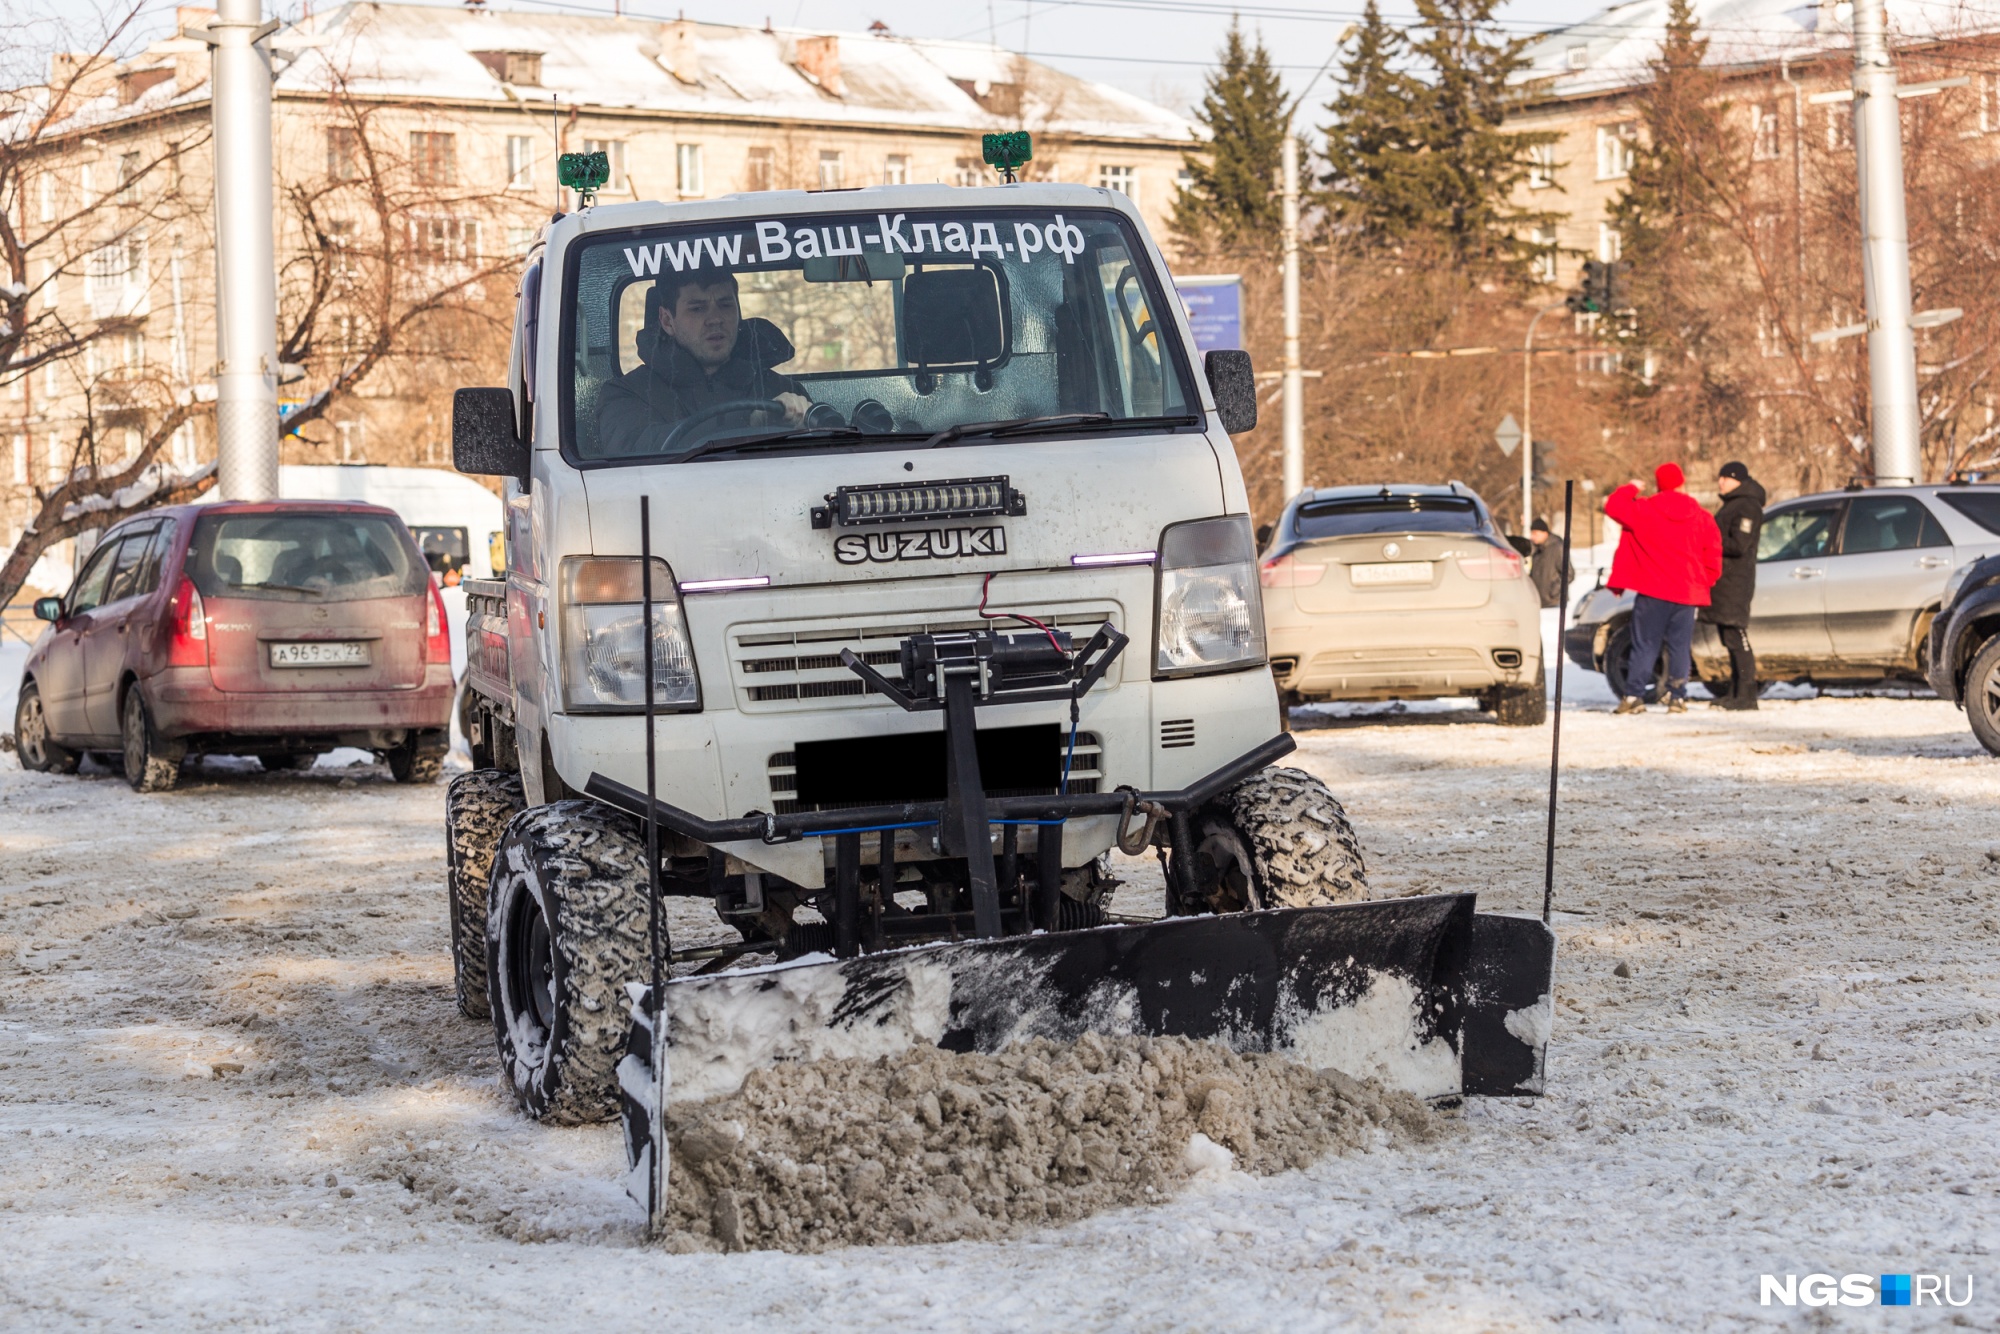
(437, 631)
(189, 646)
(1493, 566)
(1289, 572)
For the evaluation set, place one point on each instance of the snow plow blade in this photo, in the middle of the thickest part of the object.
(1423, 994)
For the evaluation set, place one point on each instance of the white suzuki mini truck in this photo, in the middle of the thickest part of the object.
(951, 590)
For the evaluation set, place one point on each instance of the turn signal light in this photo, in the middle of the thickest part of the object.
(437, 633)
(189, 645)
(1289, 572)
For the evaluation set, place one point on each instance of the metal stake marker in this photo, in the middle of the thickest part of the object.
(653, 928)
(1556, 720)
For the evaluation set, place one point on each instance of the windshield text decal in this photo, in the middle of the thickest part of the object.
(776, 241)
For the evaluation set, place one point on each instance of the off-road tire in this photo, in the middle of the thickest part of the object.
(1279, 839)
(37, 751)
(559, 1009)
(290, 760)
(477, 807)
(1982, 695)
(1523, 706)
(410, 763)
(151, 763)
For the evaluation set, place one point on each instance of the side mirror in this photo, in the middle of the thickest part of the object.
(484, 441)
(1234, 383)
(48, 609)
(1264, 531)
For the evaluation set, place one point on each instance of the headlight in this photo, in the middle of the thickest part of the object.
(1956, 582)
(603, 653)
(1210, 615)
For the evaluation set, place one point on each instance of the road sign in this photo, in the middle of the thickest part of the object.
(1214, 304)
(1507, 435)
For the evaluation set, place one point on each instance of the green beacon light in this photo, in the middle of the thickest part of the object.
(1007, 153)
(584, 173)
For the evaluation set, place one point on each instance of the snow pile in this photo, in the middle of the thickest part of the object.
(929, 1145)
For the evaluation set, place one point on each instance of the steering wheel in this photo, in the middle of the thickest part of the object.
(679, 436)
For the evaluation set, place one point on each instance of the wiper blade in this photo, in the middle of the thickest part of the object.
(285, 588)
(964, 429)
(768, 438)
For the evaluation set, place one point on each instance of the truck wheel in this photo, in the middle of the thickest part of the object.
(477, 807)
(151, 764)
(565, 930)
(420, 759)
(1982, 695)
(1523, 706)
(38, 751)
(1616, 651)
(1276, 840)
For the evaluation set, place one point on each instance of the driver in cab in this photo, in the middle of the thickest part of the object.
(699, 359)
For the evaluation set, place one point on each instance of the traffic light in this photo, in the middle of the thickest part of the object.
(1616, 294)
(1595, 294)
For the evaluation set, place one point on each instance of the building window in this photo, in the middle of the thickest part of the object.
(1545, 254)
(434, 157)
(1614, 149)
(1765, 142)
(51, 285)
(132, 350)
(967, 171)
(614, 153)
(1122, 179)
(20, 460)
(1577, 57)
(445, 240)
(520, 162)
(343, 153)
(830, 169)
(895, 169)
(520, 240)
(1610, 244)
(757, 171)
(1541, 166)
(1184, 179)
(129, 166)
(687, 170)
(48, 191)
(1989, 102)
(174, 177)
(1840, 127)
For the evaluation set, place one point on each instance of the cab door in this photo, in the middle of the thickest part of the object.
(1892, 562)
(61, 677)
(1788, 614)
(106, 645)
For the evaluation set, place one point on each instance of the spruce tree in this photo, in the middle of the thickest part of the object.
(1374, 142)
(1230, 200)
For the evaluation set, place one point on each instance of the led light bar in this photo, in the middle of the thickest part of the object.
(1117, 558)
(725, 585)
(910, 502)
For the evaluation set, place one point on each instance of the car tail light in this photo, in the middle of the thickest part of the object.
(1493, 566)
(437, 631)
(189, 647)
(1289, 572)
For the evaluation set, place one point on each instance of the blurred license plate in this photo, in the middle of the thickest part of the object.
(1394, 572)
(321, 653)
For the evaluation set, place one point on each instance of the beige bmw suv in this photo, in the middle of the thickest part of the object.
(1401, 592)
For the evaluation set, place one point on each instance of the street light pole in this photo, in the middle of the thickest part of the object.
(1528, 417)
(1885, 253)
(246, 379)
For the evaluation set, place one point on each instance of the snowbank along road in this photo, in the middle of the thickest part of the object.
(233, 1090)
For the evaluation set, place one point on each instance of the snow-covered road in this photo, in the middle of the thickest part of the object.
(233, 1091)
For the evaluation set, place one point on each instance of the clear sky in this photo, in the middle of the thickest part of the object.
(1155, 48)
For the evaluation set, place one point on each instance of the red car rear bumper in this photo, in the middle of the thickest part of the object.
(185, 703)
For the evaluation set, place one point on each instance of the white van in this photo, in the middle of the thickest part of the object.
(457, 521)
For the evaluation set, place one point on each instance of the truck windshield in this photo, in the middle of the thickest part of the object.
(848, 327)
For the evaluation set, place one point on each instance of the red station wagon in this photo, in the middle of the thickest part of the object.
(279, 630)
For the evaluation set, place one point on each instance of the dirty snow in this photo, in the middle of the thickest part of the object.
(233, 1091)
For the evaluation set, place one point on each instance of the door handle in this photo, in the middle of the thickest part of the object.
(1932, 562)
(1807, 572)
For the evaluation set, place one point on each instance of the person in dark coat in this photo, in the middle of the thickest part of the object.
(696, 352)
(1740, 521)
(1547, 570)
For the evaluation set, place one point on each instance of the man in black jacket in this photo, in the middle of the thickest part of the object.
(1740, 520)
(1547, 570)
(697, 353)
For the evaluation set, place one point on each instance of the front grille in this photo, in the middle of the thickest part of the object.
(775, 667)
(1086, 772)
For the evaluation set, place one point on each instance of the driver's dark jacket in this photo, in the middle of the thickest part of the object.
(640, 409)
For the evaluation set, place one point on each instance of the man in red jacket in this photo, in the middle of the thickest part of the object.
(1670, 554)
